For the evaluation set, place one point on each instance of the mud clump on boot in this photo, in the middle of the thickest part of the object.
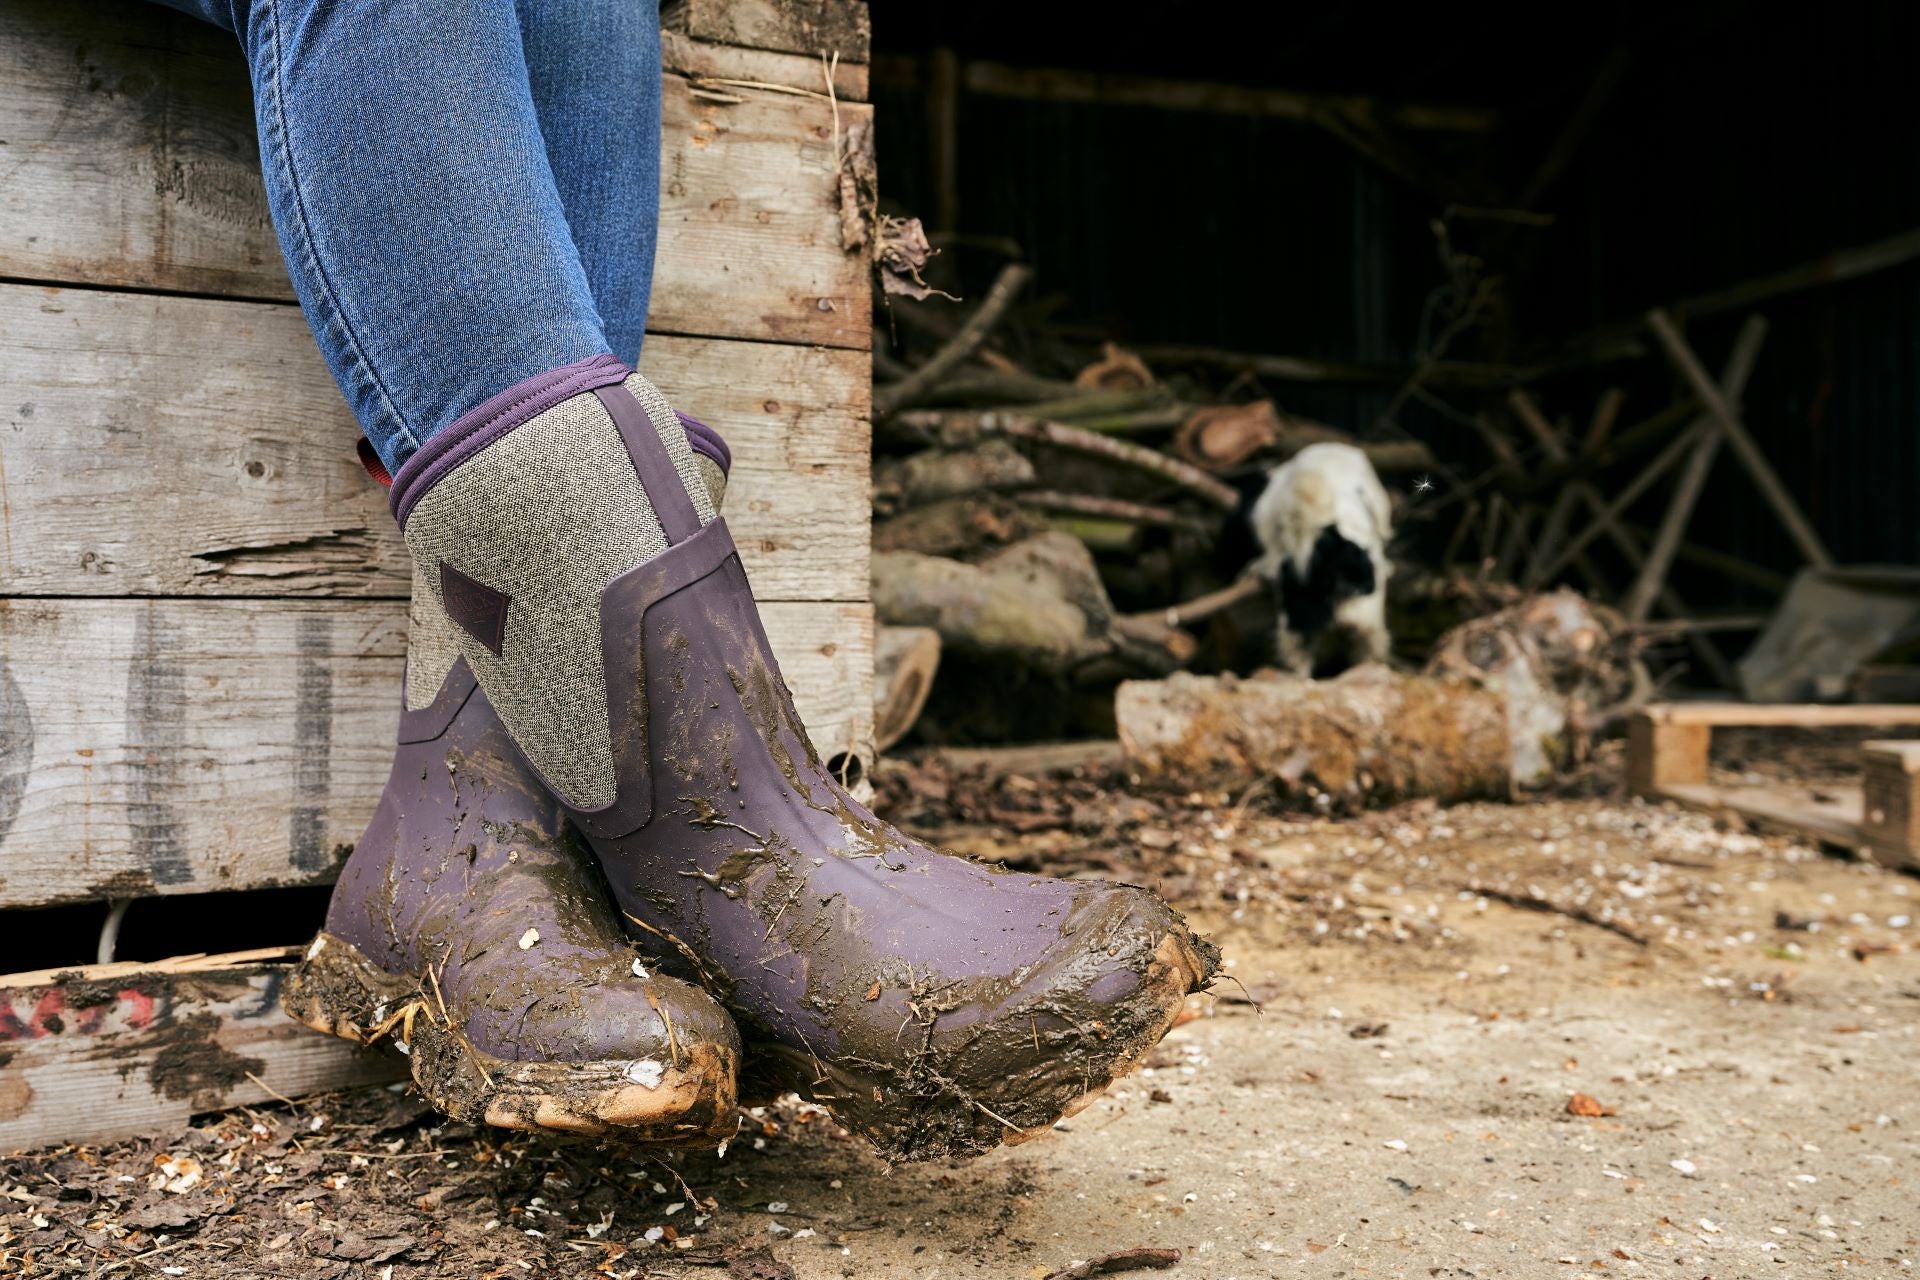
(975, 1063)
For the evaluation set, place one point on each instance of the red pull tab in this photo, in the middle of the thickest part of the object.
(371, 461)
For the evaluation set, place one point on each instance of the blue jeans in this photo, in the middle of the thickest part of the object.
(466, 191)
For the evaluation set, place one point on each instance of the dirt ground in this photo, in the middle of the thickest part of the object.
(1580, 1037)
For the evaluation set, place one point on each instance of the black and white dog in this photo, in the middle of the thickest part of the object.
(1322, 524)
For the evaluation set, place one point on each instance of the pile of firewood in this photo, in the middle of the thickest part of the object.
(1054, 533)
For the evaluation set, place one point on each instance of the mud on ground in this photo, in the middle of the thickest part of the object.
(1580, 1037)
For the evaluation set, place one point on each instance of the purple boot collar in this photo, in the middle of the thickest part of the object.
(479, 427)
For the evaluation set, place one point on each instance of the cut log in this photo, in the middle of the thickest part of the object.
(933, 474)
(1039, 603)
(1565, 667)
(960, 528)
(905, 660)
(1369, 735)
(953, 430)
(107, 1051)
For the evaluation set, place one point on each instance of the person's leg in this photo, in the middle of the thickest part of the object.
(409, 183)
(594, 69)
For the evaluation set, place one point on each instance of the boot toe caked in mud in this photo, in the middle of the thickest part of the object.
(473, 930)
(470, 929)
(938, 1006)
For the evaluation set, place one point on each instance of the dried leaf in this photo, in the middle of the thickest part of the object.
(900, 252)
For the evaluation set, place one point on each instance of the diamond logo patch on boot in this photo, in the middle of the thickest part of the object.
(475, 607)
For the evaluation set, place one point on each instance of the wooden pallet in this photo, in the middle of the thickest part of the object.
(202, 598)
(101, 1051)
(1667, 759)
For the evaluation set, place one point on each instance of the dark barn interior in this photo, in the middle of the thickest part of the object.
(1589, 166)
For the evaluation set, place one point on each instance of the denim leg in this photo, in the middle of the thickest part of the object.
(410, 188)
(594, 68)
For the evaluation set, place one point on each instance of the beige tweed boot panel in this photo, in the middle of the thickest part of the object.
(547, 515)
(433, 641)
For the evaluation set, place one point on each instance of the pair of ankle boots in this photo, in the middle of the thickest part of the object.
(609, 871)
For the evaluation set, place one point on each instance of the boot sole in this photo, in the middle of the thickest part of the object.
(335, 989)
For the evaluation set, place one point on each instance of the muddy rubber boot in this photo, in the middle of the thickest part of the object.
(472, 928)
(936, 1005)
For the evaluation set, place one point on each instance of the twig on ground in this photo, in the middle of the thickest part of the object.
(1529, 902)
(272, 1092)
(1125, 1260)
(894, 396)
(1203, 607)
(1085, 504)
(957, 429)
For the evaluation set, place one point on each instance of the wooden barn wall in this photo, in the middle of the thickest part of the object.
(202, 598)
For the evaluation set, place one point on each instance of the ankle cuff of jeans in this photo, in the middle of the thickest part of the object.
(479, 427)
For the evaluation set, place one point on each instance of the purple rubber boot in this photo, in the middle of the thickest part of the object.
(472, 929)
(936, 1005)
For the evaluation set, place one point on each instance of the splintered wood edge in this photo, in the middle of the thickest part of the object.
(195, 962)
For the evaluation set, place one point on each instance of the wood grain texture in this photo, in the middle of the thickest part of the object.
(796, 26)
(154, 445)
(699, 60)
(184, 746)
(1829, 814)
(109, 1051)
(750, 221)
(1798, 715)
(130, 159)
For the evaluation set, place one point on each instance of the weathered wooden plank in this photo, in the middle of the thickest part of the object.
(796, 26)
(180, 446)
(1829, 814)
(699, 60)
(1890, 781)
(750, 221)
(181, 746)
(130, 159)
(108, 1051)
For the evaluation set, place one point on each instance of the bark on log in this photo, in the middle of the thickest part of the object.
(905, 660)
(1369, 735)
(1040, 603)
(960, 528)
(933, 474)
